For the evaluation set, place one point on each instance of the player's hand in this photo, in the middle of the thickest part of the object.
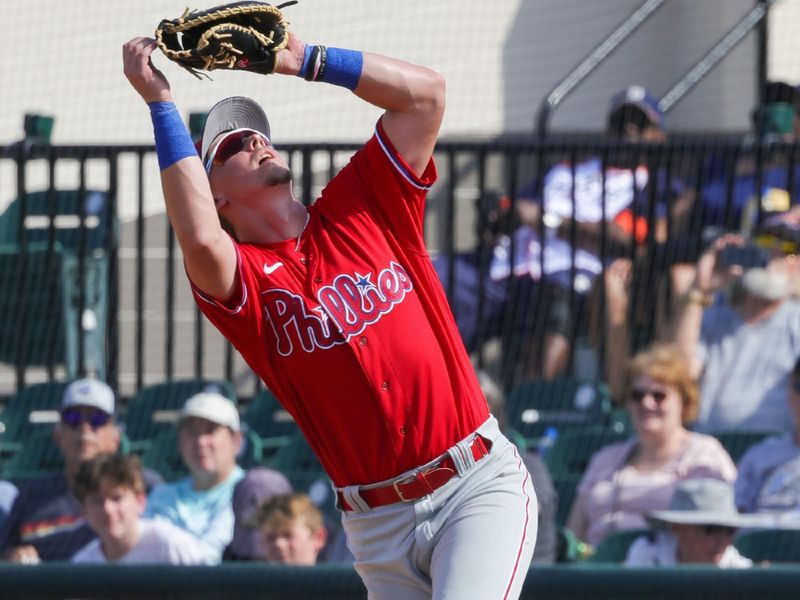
(290, 59)
(24, 555)
(144, 77)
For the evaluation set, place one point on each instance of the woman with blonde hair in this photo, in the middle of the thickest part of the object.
(625, 480)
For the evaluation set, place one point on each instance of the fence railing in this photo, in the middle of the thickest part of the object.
(270, 582)
(92, 277)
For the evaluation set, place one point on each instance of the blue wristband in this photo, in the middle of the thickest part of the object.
(341, 67)
(309, 50)
(173, 141)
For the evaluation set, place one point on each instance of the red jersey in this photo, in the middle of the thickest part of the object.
(349, 326)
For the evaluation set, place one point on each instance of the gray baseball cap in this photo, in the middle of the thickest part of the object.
(236, 112)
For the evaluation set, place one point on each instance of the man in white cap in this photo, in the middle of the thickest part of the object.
(209, 438)
(698, 528)
(46, 522)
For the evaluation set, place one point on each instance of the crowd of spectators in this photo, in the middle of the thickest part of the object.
(689, 300)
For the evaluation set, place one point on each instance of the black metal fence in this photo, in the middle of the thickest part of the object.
(91, 274)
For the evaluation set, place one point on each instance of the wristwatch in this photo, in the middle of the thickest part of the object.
(695, 296)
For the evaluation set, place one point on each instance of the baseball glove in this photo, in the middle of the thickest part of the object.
(244, 36)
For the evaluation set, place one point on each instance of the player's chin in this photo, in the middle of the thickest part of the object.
(277, 175)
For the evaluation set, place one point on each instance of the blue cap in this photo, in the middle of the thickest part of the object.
(636, 95)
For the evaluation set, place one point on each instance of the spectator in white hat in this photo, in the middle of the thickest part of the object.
(209, 438)
(698, 528)
(46, 522)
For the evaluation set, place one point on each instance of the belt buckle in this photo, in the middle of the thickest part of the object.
(396, 486)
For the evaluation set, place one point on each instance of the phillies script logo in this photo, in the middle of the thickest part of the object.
(345, 308)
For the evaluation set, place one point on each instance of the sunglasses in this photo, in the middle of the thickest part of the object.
(717, 530)
(231, 144)
(73, 417)
(637, 396)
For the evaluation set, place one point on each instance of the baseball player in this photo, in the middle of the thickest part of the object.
(337, 307)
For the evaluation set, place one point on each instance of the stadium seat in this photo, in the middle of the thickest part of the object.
(266, 417)
(41, 321)
(33, 409)
(566, 486)
(38, 455)
(770, 545)
(562, 403)
(154, 409)
(162, 455)
(57, 215)
(59, 226)
(572, 450)
(738, 442)
(614, 547)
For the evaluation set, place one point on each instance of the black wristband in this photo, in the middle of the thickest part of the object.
(323, 62)
(312, 61)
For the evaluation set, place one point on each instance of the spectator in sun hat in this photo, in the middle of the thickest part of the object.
(46, 522)
(209, 438)
(697, 528)
(258, 484)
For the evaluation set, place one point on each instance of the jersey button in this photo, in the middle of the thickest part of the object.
(385, 386)
(303, 260)
(317, 279)
(402, 430)
(363, 341)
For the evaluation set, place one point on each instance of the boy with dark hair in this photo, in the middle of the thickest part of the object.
(111, 491)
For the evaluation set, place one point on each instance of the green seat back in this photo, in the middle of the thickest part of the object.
(738, 442)
(41, 323)
(773, 545)
(563, 402)
(572, 450)
(33, 409)
(267, 417)
(57, 215)
(614, 547)
(37, 456)
(154, 409)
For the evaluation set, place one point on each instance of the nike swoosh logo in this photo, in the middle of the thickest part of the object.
(270, 269)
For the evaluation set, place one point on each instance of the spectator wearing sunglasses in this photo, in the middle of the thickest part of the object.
(625, 480)
(46, 522)
(696, 529)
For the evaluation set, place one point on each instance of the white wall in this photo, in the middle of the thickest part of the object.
(500, 59)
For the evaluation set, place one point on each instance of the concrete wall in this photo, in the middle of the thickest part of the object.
(500, 60)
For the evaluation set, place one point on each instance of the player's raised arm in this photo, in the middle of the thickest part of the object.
(208, 252)
(413, 96)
